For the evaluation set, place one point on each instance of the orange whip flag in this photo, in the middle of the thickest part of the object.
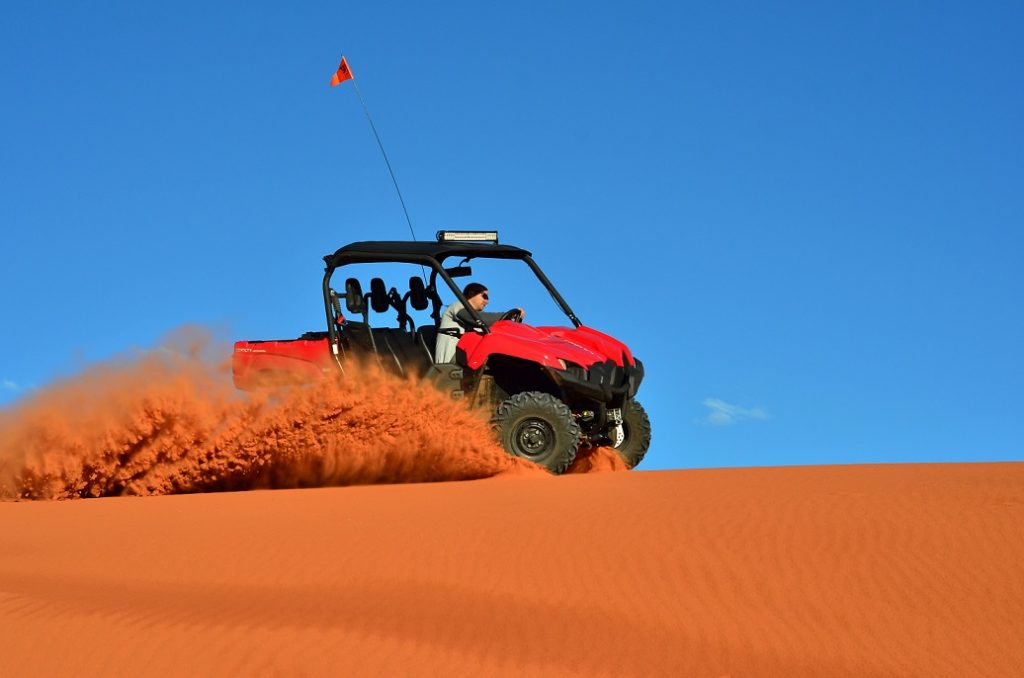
(342, 74)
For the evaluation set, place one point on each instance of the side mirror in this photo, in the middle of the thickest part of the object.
(379, 296)
(354, 301)
(417, 294)
(459, 271)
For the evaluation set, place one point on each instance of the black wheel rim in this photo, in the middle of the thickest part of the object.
(533, 437)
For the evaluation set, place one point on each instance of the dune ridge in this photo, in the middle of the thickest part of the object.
(904, 570)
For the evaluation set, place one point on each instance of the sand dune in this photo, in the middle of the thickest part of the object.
(828, 571)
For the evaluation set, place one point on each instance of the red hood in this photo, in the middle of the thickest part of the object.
(544, 345)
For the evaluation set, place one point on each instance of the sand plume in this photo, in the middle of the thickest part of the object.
(597, 460)
(170, 422)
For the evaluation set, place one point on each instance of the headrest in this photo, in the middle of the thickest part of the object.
(417, 294)
(354, 301)
(379, 296)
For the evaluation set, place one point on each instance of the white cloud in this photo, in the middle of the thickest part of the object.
(725, 414)
(8, 385)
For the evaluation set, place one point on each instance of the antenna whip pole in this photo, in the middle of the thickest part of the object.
(387, 162)
(341, 75)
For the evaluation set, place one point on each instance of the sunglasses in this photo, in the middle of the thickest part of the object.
(484, 295)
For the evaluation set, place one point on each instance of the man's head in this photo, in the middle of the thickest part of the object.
(476, 295)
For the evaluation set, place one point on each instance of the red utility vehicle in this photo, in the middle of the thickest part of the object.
(550, 389)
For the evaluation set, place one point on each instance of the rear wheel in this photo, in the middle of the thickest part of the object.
(636, 429)
(539, 427)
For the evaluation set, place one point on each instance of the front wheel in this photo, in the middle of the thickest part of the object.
(636, 429)
(539, 427)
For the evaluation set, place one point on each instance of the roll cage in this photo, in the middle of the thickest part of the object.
(432, 255)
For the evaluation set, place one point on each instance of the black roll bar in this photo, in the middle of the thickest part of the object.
(436, 265)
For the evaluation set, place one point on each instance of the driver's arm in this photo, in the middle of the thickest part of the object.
(467, 321)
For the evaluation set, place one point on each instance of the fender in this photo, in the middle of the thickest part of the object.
(599, 342)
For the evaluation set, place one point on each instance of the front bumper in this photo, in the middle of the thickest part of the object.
(605, 383)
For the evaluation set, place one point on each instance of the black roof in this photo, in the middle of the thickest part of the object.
(407, 251)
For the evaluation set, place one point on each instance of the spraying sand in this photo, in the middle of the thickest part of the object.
(169, 422)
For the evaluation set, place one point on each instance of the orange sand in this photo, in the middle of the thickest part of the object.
(167, 422)
(829, 571)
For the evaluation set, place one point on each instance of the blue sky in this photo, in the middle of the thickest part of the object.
(805, 217)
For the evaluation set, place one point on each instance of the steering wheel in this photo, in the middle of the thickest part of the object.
(515, 315)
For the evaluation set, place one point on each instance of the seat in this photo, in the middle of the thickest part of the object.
(395, 348)
(404, 348)
(426, 339)
(358, 334)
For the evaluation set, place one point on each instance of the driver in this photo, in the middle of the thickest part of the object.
(457, 318)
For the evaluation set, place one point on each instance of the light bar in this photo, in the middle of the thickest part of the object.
(468, 236)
